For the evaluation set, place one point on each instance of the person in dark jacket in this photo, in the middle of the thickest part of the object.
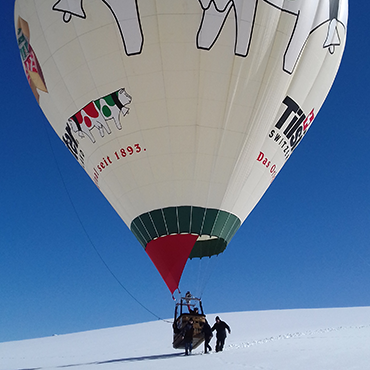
(187, 336)
(207, 332)
(220, 327)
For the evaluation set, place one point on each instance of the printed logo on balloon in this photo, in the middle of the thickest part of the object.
(94, 117)
(295, 124)
(31, 65)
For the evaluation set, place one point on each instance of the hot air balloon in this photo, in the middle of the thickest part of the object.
(182, 112)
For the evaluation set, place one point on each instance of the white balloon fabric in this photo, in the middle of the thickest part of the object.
(182, 112)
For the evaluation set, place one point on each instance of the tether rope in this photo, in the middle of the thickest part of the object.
(92, 243)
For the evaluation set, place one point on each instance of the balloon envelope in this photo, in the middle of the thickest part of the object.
(181, 112)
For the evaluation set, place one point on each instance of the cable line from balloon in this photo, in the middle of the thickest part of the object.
(93, 245)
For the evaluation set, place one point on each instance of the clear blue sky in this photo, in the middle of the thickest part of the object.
(305, 245)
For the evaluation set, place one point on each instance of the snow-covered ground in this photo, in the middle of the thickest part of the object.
(320, 339)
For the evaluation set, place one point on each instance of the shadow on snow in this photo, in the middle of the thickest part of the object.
(118, 360)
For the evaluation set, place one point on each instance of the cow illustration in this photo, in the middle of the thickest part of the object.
(86, 119)
(308, 19)
(125, 13)
(98, 112)
(111, 106)
(309, 15)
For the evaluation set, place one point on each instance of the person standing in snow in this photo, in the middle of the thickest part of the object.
(207, 331)
(220, 327)
(187, 336)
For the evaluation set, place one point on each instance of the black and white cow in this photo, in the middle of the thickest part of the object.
(309, 16)
(97, 113)
(125, 12)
